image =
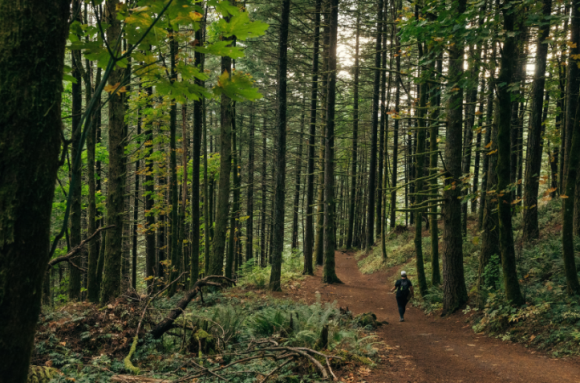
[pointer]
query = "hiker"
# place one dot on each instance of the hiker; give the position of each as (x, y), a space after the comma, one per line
(405, 292)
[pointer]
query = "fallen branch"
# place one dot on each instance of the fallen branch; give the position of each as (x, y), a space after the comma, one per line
(167, 323)
(127, 361)
(137, 379)
(71, 254)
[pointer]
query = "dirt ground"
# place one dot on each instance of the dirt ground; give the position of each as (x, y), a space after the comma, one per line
(430, 348)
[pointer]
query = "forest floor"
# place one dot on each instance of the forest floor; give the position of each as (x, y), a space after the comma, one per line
(430, 348)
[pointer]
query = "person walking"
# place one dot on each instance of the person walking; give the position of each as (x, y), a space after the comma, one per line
(405, 292)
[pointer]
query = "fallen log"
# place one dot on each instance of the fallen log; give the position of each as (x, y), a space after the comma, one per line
(167, 323)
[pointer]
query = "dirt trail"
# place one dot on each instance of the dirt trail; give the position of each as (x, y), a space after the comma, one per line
(428, 348)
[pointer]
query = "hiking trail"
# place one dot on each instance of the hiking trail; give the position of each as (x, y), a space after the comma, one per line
(430, 348)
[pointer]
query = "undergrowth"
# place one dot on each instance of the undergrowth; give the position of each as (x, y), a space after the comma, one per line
(550, 319)
(88, 344)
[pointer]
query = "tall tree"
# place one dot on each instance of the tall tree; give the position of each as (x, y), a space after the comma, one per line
(329, 273)
(111, 285)
(572, 284)
(32, 42)
(198, 115)
(149, 186)
(355, 117)
(250, 196)
(280, 150)
(455, 291)
(534, 158)
(74, 284)
(504, 197)
(298, 178)
(174, 245)
(370, 239)
(309, 232)
(223, 203)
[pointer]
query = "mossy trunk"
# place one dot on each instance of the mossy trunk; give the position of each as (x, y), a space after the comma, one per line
(111, 285)
(32, 42)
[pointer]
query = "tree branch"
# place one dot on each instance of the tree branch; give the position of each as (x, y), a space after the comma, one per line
(73, 252)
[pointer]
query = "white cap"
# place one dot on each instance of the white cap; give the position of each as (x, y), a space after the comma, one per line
(403, 272)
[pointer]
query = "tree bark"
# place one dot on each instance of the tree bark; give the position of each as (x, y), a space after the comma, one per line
(223, 203)
(309, 233)
(280, 150)
(74, 283)
(264, 199)
(198, 116)
(504, 197)
(370, 238)
(30, 138)
(250, 197)
(355, 117)
(531, 230)
(298, 178)
(573, 127)
(454, 289)
(329, 273)
(111, 285)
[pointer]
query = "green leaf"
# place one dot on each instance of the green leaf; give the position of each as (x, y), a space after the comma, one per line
(221, 48)
(241, 27)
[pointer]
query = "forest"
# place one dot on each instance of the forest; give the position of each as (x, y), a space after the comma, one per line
(224, 190)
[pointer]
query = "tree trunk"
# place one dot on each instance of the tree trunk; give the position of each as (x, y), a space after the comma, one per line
(454, 289)
(111, 285)
(233, 239)
(370, 238)
(74, 283)
(355, 116)
(149, 184)
(280, 150)
(298, 178)
(223, 203)
(309, 233)
(135, 212)
(93, 248)
(329, 274)
(490, 229)
(396, 126)
(198, 115)
(250, 201)
(504, 197)
(573, 127)
(420, 161)
(30, 124)
(264, 199)
(531, 230)
(435, 100)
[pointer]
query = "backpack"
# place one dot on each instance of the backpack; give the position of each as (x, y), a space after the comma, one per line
(404, 287)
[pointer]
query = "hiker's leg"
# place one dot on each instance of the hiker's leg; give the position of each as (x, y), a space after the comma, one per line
(401, 305)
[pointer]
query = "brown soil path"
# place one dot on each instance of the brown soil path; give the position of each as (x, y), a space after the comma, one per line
(428, 348)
